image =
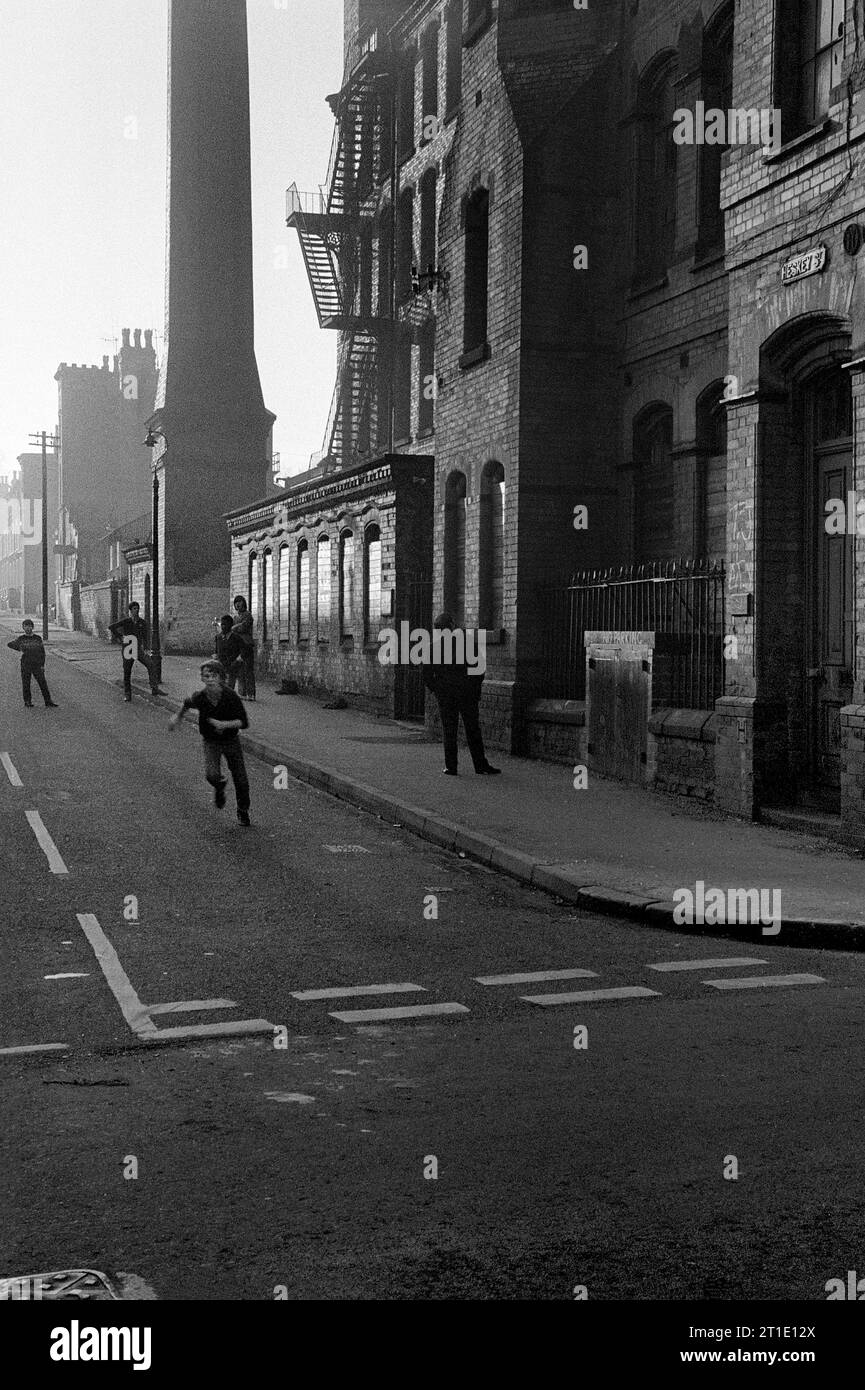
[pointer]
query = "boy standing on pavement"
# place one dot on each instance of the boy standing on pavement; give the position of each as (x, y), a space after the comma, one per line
(221, 716)
(133, 633)
(32, 651)
(229, 649)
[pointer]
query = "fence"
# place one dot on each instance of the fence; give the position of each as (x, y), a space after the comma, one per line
(681, 599)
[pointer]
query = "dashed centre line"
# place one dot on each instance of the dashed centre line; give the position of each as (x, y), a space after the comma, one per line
(46, 844)
(11, 771)
(535, 977)
(350, 991)
(765, 981)
(589, 996)
(706, 964)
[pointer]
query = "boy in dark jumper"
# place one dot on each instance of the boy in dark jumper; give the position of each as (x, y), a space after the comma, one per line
(221, 716)
(32, 651)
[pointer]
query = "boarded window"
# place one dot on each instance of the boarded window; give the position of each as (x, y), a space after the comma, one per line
(346, 584)
(476, 270)
(372, 586)
(284, 613)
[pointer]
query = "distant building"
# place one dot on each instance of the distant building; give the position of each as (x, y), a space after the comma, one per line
(21, 534)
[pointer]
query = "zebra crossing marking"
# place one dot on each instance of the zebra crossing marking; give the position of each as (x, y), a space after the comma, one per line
(348, 991)
(720, 962)
(765, 981)
(406, 1011)
(535, 977)
(589, 996)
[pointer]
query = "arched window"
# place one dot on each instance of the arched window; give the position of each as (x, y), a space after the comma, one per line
(303, 591)
(284, 611)
(372, 584)
(711, 502)
(429, 49)
(492, 555)
(404, 244)
(653, 443)
(453, 79)
(655, 209)
(426, 380)
(717, 94)
(809, 51)
(476, 270)
(322, 577)
(253, 586)
(455, 546)
(346, 584)
(267, 597)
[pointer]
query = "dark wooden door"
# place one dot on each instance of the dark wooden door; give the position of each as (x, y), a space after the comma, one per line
(830, 667)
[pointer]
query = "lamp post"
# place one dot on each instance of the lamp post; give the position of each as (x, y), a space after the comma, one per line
(155, 648)
(43, 438)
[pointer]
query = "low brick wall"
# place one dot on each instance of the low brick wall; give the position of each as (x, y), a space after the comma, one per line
(98, 606)
(681, 752)
(496, 713)
(324, 669)
(853, 775)
(186, 624)
(555, 730)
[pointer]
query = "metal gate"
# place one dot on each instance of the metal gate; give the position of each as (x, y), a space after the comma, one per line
(416, 609)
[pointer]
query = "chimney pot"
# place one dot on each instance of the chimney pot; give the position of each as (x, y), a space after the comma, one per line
(125, 332)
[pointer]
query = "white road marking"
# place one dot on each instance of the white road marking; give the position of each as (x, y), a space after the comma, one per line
(191, 1006)
(536, 977)
(346, 991)
(408, 1011)
(52, 853)
(240, 1028)
(10, 770)
(69, 975)
(119, 983)
(36, 1047)
(765, 981)
(706, 964)
(347, 849)
(588, 996)
(297, 1097)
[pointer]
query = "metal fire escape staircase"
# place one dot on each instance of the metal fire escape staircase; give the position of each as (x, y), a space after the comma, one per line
(329, 224)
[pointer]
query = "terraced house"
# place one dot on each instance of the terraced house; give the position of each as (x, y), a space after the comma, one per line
(599, 369)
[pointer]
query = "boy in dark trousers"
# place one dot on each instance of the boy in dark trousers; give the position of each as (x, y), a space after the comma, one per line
(221, 716)
(32, 652)
(133, 633)
(229, 649)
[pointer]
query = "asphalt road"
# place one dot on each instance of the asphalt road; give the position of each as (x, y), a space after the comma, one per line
(302, 1167)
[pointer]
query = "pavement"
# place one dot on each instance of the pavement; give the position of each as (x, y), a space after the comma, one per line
(606, 847)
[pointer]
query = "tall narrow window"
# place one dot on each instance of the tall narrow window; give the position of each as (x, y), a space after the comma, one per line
(303, 592)
(323, 588)
(476, 270)
(404, 244)
(267, 597)
(653, 443)
(385, 262)
(710, 538)
(428, 186)
(284, 613)
(453, 80)
(718, 95)
(372, 584)
(455, 546)
(426, 380)
(810, 48)
(655, 209)
(430, 82)
(253, 587)
(491, 560)
(346, 584)
(402, 391)
(405, 118)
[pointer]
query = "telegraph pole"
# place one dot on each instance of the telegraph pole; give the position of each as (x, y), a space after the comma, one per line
(43, 438)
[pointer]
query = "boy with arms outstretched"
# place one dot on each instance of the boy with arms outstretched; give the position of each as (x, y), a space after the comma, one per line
(221, 716)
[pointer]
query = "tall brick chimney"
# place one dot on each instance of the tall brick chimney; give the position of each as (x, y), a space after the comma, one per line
(209, 402)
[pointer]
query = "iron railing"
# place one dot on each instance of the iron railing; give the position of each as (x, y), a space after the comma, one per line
(681, 600)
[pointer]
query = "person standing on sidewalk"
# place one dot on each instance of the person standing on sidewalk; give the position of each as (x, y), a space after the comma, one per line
(32, 650)
(458, 693)
(221, 716)
(243, 627)
(133, 633)
(229, 649)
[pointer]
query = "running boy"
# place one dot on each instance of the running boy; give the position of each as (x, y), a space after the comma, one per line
(221, 716)
(32, 651)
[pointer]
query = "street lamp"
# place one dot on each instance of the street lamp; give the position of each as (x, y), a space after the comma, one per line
(155, 648)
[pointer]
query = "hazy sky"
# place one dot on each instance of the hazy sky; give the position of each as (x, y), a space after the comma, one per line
(82, 172)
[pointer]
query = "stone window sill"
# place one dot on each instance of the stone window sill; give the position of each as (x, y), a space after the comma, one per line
(806, 137)
(474, 356)
(401, 443)
(426, 434)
